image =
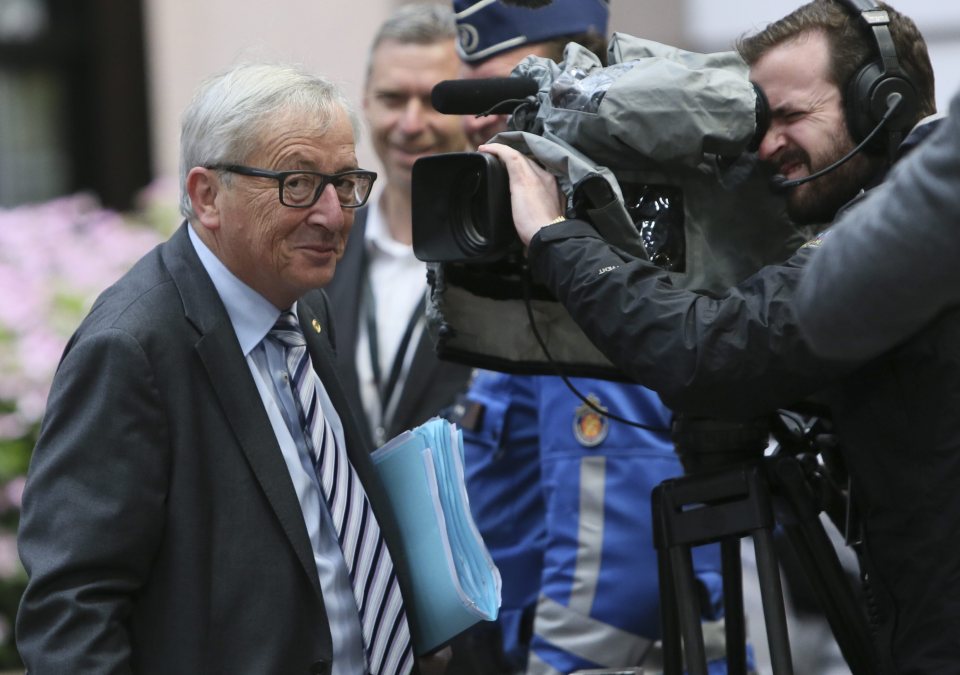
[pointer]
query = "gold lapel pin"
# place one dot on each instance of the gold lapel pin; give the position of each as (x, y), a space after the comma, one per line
(316, 325)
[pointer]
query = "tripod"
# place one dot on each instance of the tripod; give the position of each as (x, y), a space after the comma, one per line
(732, 491)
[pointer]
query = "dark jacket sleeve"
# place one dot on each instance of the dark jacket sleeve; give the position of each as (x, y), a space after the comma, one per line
(739, 354)
(890, 264)
(93, 508)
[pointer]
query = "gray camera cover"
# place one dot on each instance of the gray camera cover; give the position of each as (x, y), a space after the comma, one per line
(655, 115)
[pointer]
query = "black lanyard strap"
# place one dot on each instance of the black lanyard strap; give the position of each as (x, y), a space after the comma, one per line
(386, 389)
(400, 358)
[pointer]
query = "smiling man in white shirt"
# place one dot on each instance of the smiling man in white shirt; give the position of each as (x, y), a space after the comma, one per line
(385, 359)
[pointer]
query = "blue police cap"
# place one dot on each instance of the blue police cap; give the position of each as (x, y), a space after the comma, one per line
(487, 27)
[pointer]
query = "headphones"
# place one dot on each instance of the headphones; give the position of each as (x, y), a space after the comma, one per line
(868, 92)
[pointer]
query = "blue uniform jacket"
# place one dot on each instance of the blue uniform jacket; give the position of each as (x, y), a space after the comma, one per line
(562, 498)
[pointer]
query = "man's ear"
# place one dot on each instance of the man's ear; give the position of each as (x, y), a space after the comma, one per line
(203, 186)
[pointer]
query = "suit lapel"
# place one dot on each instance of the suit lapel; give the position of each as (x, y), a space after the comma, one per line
(230, 378)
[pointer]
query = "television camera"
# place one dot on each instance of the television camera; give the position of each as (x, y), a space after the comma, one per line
(653, 150)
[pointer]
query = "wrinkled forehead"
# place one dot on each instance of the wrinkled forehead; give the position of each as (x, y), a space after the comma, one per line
(306, 130)
(801, 63)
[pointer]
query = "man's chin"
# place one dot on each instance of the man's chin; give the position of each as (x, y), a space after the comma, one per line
(312, 269)
(318, 278)
(810, 204)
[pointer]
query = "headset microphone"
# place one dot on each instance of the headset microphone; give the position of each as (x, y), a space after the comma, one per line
(779, 183)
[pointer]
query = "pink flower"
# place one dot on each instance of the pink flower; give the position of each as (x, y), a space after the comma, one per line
(9, 560)
(13, 491)
(55, 258)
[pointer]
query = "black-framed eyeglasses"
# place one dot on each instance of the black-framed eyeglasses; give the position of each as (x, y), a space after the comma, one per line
(302, 189)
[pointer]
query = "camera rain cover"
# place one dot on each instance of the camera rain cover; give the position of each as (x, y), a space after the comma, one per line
(656, 116)
(663, 116)
(654, 104)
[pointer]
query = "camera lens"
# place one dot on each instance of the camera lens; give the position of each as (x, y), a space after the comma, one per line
(468, 219)
(461, 208)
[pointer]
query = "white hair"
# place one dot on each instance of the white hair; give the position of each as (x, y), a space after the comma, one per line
(230, 112)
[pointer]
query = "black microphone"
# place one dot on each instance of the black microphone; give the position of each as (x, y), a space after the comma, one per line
(780, 183)
(482, 96)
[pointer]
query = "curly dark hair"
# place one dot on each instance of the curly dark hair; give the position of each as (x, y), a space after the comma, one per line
(851, 45)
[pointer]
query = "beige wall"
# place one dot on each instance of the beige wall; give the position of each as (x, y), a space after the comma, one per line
(188, 40)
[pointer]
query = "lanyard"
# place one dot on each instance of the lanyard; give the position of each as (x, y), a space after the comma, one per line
(386, 389)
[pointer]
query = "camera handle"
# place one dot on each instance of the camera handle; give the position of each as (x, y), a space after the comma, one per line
(725, 505)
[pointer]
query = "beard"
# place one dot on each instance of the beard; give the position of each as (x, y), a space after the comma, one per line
(818, 201)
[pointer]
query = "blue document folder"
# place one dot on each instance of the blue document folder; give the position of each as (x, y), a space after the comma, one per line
(455, 581)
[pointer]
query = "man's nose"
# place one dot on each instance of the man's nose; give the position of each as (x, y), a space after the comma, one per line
(327, 210)
(413, 118)
(772, 142)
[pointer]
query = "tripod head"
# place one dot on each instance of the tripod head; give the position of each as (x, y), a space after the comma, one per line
(804, 444)
(707, 444)
(734, 488)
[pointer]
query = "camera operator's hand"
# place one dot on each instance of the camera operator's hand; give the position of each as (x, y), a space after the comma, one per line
(535, 196)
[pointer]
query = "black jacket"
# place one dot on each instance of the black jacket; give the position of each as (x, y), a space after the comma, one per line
(735, 355)
(740, 354)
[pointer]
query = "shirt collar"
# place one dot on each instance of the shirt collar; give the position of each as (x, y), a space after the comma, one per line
(251, 314)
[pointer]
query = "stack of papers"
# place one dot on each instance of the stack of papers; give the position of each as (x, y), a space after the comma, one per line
(455, 582)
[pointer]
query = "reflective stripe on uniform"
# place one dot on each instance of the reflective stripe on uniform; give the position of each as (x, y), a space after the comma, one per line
(537, 666)
(585, 637)
(589, 534)
(606, 645)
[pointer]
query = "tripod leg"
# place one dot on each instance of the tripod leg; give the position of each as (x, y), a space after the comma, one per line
(736, 633)
(669, 619)
(689, 602)
(818, 559)
(771, 595)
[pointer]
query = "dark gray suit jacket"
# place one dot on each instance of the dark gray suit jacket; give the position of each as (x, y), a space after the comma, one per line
(160, 527)
(431, 384)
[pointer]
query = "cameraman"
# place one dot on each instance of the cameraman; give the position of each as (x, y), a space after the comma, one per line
(740, 354)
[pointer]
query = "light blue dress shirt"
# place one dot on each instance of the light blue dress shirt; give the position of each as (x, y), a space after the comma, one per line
(252, 317)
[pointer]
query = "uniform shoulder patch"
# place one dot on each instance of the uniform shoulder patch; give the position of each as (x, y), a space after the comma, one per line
(590, 427)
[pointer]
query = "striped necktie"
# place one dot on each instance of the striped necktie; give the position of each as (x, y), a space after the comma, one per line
(386, 636)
